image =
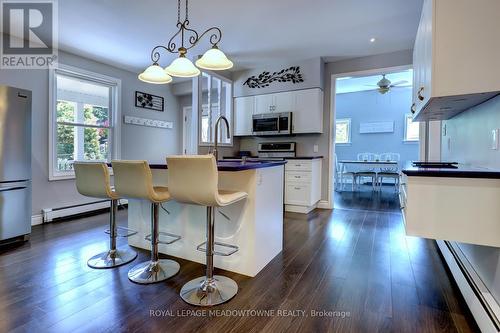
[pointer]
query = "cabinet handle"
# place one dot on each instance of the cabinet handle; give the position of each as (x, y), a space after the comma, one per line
(420, 96)
(298, 165)
(413, 108)
(297, 188)
(297, 177)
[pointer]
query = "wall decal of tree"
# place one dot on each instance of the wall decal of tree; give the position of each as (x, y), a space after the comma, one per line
(291, 74)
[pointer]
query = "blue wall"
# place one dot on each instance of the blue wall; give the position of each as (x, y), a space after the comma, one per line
(371, 106)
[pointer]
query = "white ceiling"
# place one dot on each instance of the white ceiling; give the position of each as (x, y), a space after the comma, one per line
(364, 83)
(255, 33)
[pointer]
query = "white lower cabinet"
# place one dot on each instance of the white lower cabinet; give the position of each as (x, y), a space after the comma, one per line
(302, 185)
(453, 209)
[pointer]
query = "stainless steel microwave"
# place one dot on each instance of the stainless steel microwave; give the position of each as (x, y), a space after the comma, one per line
(272, 123)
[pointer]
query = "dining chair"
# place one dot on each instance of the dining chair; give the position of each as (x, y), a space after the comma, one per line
(340, 173)
(391, 172)
(368, 172)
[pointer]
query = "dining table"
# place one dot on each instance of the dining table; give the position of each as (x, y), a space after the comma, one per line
(373, 164)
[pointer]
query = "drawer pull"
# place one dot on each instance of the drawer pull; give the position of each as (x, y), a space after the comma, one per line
(297, 188)
(420, 96)
(298, 177)
(298, 165)
(413, 108)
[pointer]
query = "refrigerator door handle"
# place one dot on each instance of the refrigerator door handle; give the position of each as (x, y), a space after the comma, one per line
(6, 189)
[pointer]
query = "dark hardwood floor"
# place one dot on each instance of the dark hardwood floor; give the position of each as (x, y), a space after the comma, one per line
(347, 270)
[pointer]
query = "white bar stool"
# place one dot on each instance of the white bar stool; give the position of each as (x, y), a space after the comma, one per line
(194, 180)
(133, 179)
(92, 180)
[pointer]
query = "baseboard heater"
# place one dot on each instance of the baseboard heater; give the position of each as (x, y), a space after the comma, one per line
(51, 214)
(483, 306)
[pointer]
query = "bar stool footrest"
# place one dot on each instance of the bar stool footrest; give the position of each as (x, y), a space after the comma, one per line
(123, 232)
(172, 238)
(220, 249)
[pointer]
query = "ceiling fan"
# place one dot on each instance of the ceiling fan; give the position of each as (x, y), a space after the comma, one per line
(385, 85)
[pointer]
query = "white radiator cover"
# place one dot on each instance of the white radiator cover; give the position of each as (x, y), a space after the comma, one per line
(49, 214)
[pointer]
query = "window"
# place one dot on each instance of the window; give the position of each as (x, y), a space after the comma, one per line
(216, 100)
(343, 131)
(412, 129)
(84, 107)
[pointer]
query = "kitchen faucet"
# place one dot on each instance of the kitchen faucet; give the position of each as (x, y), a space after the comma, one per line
(217, 134)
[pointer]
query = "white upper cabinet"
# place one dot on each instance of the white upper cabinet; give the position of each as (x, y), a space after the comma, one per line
(306, 107)
(279, 102)
(244, 108)
(308, 114)
(456, 57)
(284, 102)
(264, 103)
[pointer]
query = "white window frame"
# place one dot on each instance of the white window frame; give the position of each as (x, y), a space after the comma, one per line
(349, 130)
(115, 114)
(211, 122)
(405, 137)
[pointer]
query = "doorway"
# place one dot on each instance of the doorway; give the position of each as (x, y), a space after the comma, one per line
(371, 120)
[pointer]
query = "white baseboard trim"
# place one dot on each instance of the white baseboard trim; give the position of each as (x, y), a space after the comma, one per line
(470, 291)
(49, 214)
(299, 209)
(36, 219)
(324, 204)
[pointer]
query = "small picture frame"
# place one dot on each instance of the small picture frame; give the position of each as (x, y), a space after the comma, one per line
(148, 101)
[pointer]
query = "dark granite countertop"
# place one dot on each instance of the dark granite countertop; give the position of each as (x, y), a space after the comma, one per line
(303, 157)
(461, 171)
(234, 165)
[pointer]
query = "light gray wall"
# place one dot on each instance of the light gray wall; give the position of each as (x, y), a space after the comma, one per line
(137, 142)
(470, 134)
(371, 106)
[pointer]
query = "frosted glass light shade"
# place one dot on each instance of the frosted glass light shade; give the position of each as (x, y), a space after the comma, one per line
(156, 75)
(215, 60)
(182, 67)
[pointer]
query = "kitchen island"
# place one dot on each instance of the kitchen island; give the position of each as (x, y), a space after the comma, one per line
(253, 225)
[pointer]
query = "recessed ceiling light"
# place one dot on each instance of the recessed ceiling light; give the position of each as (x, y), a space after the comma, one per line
(372, 40)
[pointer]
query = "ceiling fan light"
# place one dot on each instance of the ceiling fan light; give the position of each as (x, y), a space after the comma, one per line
(214, 60)
(383, 90)
(182, 67)
(155, 74)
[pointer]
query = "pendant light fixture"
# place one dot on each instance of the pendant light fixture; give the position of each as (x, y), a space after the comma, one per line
(155, 74)
(214, 59)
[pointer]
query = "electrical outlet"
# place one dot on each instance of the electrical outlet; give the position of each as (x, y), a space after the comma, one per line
(316, 148)
(494, 139)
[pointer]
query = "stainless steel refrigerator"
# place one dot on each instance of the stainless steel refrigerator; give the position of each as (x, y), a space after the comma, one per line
(15, 163)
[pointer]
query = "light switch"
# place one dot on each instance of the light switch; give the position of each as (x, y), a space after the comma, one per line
(494, 139)
(316, 148)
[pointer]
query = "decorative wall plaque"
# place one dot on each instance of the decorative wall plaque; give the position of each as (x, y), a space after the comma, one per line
(148, 101)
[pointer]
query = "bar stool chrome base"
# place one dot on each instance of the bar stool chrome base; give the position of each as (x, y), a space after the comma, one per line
(209, 292)
(152, 272)
(112, 258)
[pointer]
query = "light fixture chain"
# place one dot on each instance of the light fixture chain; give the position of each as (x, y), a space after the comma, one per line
(187, 11)
(178, 11)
